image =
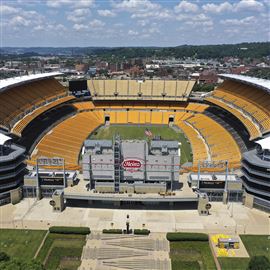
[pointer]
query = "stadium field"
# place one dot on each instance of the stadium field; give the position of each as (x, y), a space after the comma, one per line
(256, 245)
(20, 244)
(129, 132)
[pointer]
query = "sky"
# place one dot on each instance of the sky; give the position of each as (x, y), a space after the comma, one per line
(110, 23)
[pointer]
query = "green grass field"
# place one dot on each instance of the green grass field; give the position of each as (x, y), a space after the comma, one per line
(138, 132)
(256, 245)
(20, 244)
(191, 255)
(62, 251)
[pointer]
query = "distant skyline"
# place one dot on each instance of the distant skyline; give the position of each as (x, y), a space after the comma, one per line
(110, 23)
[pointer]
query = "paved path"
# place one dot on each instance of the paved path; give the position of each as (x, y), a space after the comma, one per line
(121, 252)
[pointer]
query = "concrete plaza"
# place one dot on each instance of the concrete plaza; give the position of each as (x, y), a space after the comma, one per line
(231, 219)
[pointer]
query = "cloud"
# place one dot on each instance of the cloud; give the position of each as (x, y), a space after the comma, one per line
(96, 24)
(135, 5)
(72, 3)
(249, 5)
(158, 15)
(185, 6)
(80, 27)
(133, 33)
(6, 10)
(78, 15)
(106, 13)
(19, 21)
(217, 8)
(143, 22)
(238, 22)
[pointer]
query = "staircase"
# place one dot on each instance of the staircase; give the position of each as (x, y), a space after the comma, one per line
(123, 252)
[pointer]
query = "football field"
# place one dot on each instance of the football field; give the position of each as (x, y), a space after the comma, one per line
(129, 132)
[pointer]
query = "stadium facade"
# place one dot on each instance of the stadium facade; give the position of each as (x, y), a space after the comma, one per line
(131, 166)
(12, 170)
(256, 175)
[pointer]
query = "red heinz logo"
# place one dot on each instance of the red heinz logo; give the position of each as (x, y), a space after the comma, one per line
(131, 164)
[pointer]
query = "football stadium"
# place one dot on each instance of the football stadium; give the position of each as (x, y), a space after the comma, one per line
(135, 142)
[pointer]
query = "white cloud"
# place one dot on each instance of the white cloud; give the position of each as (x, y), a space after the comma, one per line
(238, 22)
(6, 10)
(185, 6)
(243, 5)
(96, 24)
(78, 15)
(80, 27)
(135, 5)
(158, 15)
(106, 13)
(198, 18)
(19, 21)
(83, 3)
(153, 30)
(133, 33)
(72, 3)
(218, 8)
(143, 22)
(249, 5)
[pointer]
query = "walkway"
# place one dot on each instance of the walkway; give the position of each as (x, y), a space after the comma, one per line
(135, 252)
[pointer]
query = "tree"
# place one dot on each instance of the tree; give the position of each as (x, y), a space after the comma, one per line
(259, 263)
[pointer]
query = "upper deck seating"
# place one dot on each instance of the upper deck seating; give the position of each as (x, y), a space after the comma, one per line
(252, 128)
(20, 100)
(249, 101)
(140, 90)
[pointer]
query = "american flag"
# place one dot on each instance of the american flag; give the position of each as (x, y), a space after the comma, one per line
(148, 132)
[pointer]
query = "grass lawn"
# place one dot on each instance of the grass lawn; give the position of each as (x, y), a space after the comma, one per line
(189, 255)
(137, 132)
(21, 244)
(62, 250)
(256, 245)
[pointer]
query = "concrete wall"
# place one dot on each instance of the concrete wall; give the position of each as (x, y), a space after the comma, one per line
(16, 195)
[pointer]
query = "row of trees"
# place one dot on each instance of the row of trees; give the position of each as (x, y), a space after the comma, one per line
(244, 50)
(263, 73)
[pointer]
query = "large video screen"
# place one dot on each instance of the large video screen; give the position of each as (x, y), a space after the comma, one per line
(79, 85)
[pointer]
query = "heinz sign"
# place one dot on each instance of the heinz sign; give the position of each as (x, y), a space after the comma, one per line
(131, 164)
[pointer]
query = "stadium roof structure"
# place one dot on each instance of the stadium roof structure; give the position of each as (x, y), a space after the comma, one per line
(257, 82)
(4, 139)
(16, 81)
(264, 143)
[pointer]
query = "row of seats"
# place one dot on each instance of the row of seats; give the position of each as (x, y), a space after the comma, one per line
(253, 130)
(197, 107)
(66, 139)
(248, 92)
(163, 89)
(199, 148)
(84, 106)
(221, 144)
(22, 99)
(21, 125)
(247, 100)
